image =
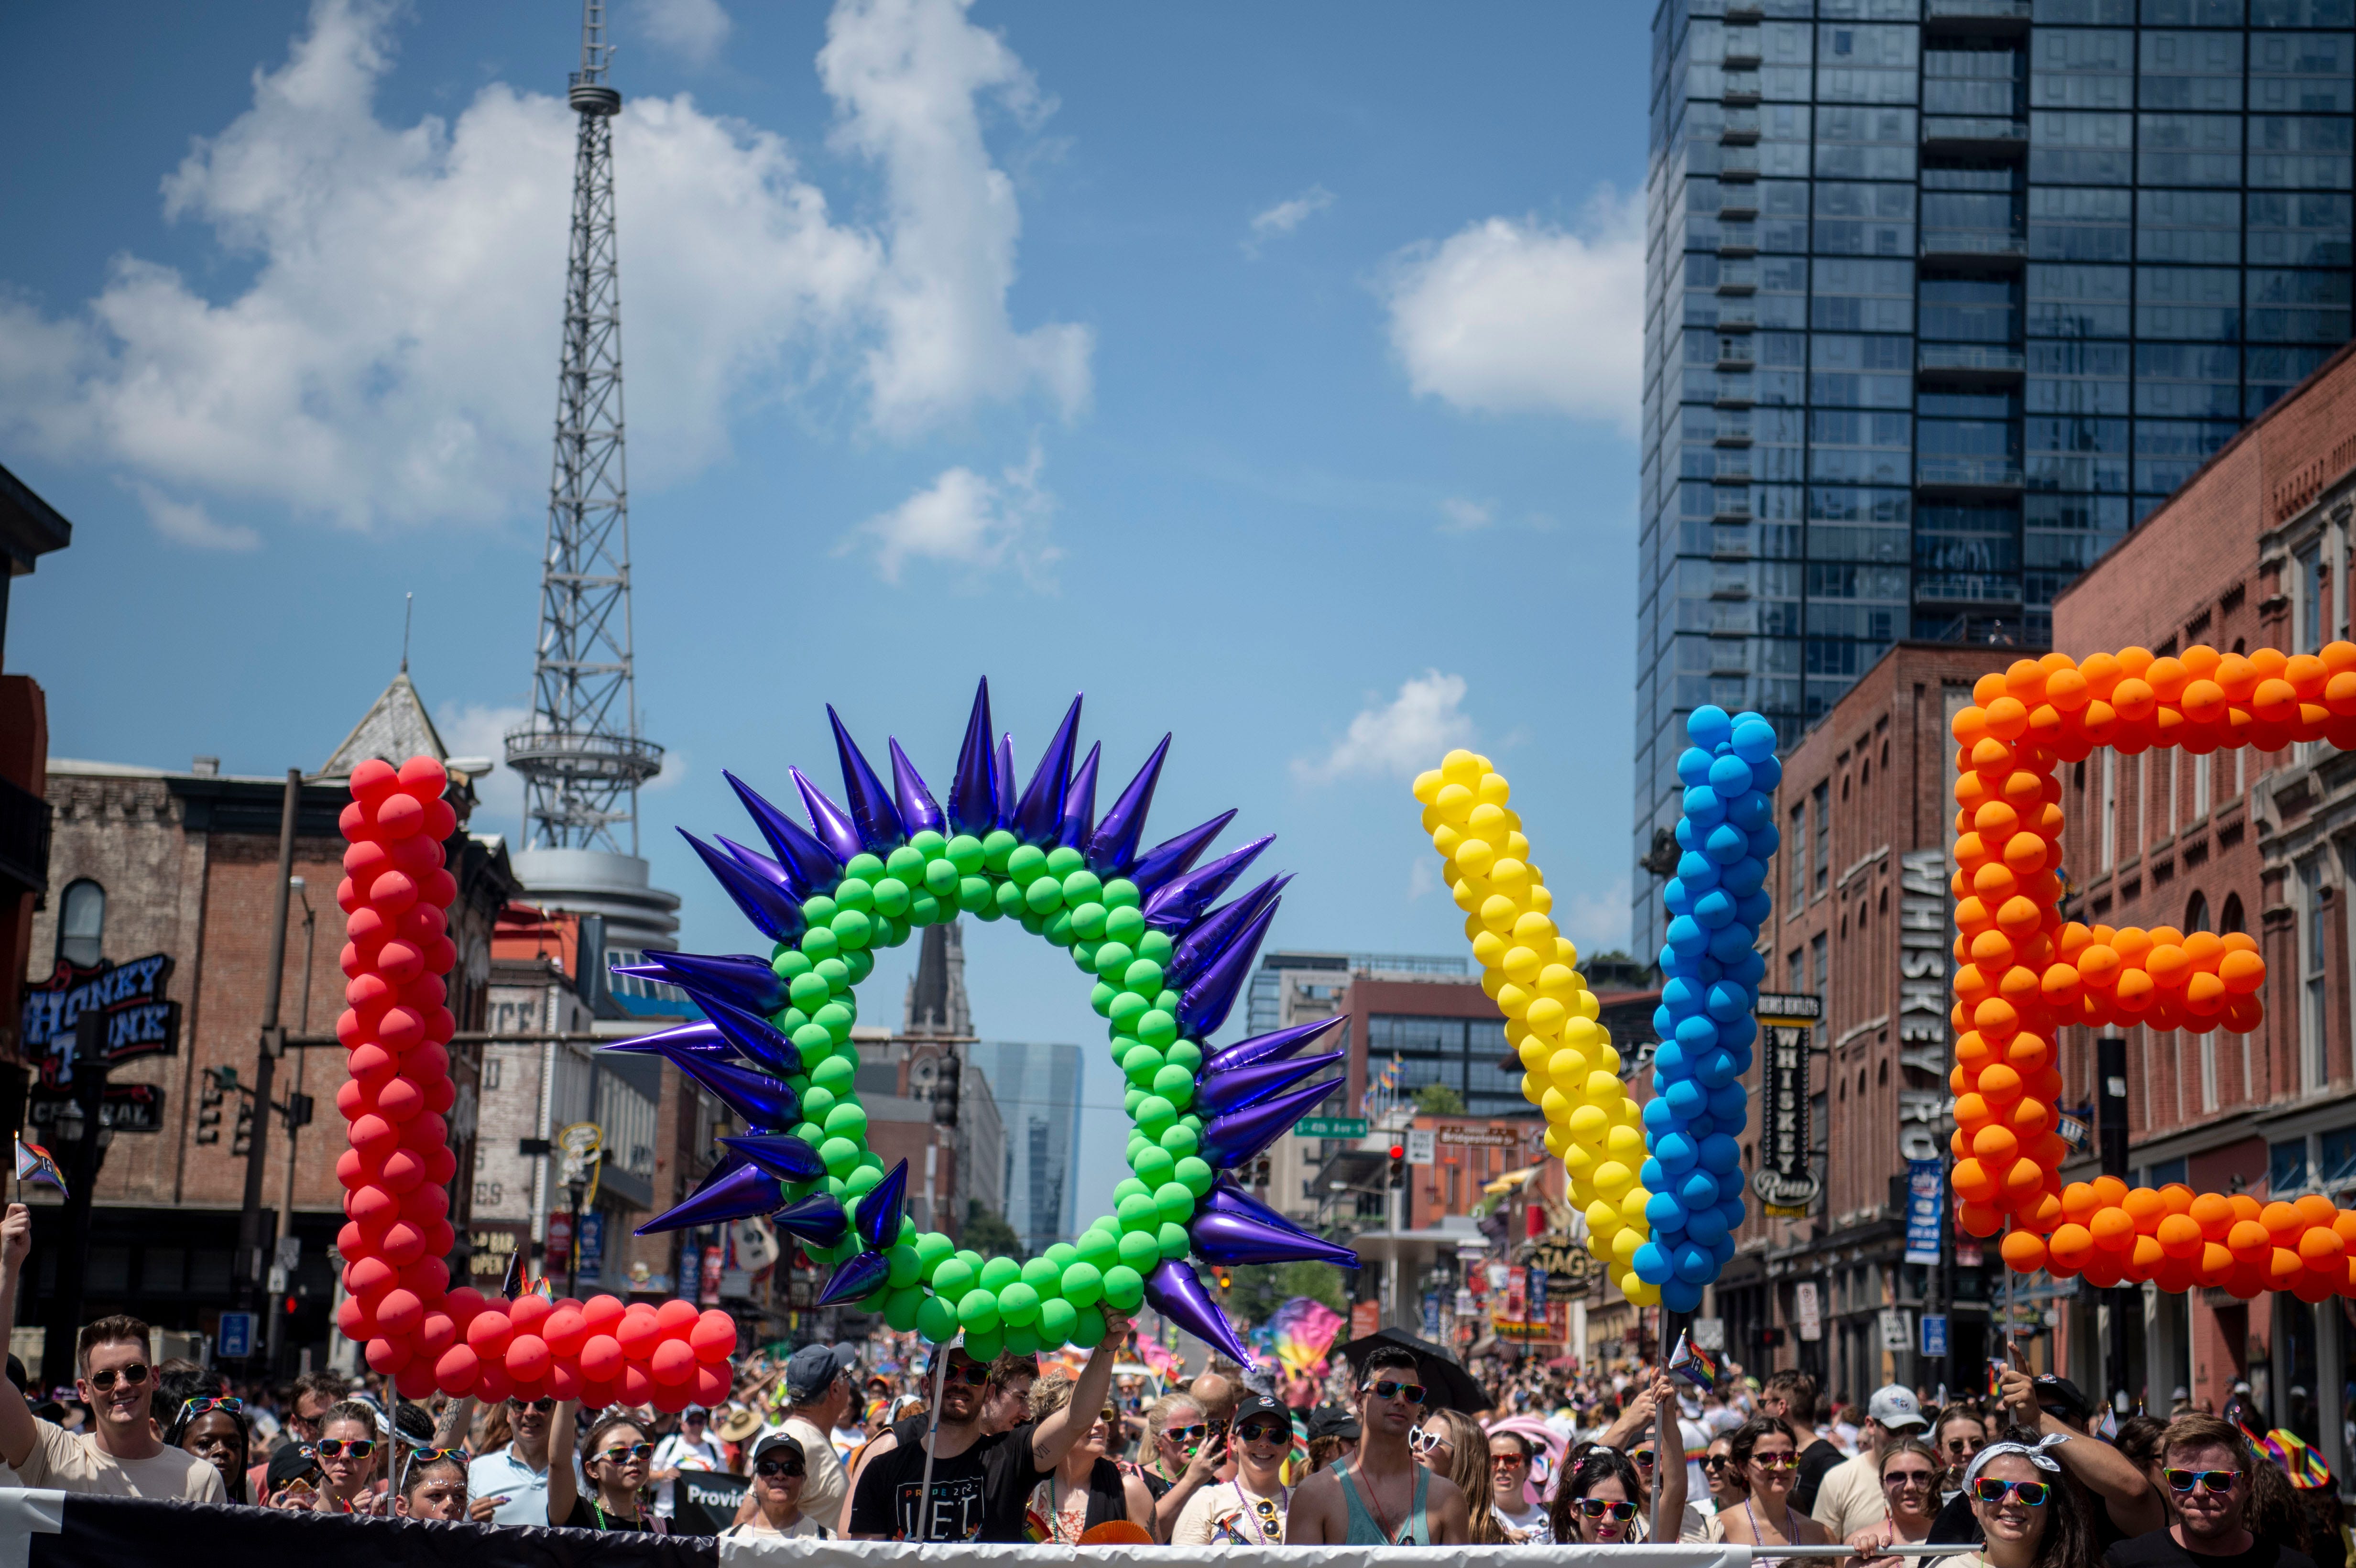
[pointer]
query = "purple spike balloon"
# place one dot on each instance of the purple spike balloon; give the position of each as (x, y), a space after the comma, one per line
(1241, 1087)
(1041, 809)
(766, 870)
(871, 810)
(1168, 860)
(829, 822)
(1079, 819)
(1180, 903)
(741, 1194)
(810, 865)
(1176, 1292)
(769, 1104)
(773, 914)
(973, 793)
(1210, 995)
(1226, 1240)
(1001, 784)
(701, 1038)
(1227, 1141)
(745, 980)
(782, 1155)
(1112, 847)
(879, 1212)
(1213, 933)
(919, 813)
(751, 1035)
(1273, 1046)
(817, 1219)
(1227, 1197)
(857, 1278)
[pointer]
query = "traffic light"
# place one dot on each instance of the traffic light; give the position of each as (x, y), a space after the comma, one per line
(299, 1111)
(208, 1111)
(1261, 1170)
(1226, 1280)
(241, 1144)
(1399, 1167)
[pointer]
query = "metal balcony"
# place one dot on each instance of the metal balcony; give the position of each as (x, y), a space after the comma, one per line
(1973, 133)
(1736, 353)
(1741, 129)
(1738, 165)
(1970, 361)
(1739, 89)
(1973, 244)
(1976, 473)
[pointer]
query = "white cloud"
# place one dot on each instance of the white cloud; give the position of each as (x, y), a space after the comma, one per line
(1422, 877)
(479, 729)
(1463, 516)
(1410, 734)
(1286, 216)
(964, 519)
(692, 29)
(188, 522)
(1598, 923)
(1504, 316)
(392, 359)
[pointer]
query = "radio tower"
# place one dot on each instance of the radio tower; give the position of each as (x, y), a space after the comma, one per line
(581, 755)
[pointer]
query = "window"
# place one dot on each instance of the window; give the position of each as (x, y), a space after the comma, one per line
(2168, 1171)
(2175, 784)
(2312, 1018)
(2196, 914)
(1793, 976)
(2339, 1165)
(2110, 830)
(2229, 919)
(2200, 786)
(2286, 1167)
(1823, 846)
(2311, 599)
(1796, 843)
(81, 923)
(1820, 958)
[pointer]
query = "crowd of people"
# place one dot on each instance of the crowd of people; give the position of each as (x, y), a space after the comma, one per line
(881, 1443)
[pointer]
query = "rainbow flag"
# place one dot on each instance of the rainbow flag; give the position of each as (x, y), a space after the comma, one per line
(2302, 1464)
(35, 1163)
(1302, 1330)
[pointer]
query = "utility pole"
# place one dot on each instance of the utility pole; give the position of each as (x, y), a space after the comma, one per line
(298, 1116)
(273, 1042)
(2111, 1118)
(85, 1152)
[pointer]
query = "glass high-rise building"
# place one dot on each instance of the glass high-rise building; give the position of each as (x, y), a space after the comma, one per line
(1942, 297)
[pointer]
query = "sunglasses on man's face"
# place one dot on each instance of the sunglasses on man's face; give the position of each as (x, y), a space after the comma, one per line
(541, 1405)
(1596, 1508)
(344, 1447)
(772, 1469)
(1391, 1388)
(2208, 1480)
(131, 1376)
(1990, 1490)
(971, 1375)
(1643, 1457)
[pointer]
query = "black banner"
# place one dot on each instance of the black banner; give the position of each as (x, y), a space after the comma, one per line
(704, 1502)
(80, 1531)
(1786, 1184)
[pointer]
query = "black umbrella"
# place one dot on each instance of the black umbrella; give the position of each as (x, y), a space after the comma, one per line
(1451, 1387)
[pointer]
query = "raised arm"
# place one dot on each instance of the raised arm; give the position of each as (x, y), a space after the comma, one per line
(2127, 1493)
(1058, 1434)
(17, 1432)
(561, 1492)
(1668, 1458)
(1631, 1425)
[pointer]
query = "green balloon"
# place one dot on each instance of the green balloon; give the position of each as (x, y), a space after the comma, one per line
(1124, 1287)
(926, 910)
(1021, 1339)
(1084, 956)
(1176, 1200)
(1121, 893)
(1009, 898)
(854, 894)
(1168, 1001)
(907, 1237)
(1059, 928)
(1095, 1248)
(1041, 1274)
(1058, 1254)
(1140, 1249)
(1017, 1303)
(1176, 1084)
(864, 866)
(840, 1156)
(975, 894)
(1114, 958)
(1141, 1064)
(1157, 1028)
(906, 1268)
(1063, 860)
(907, 861)
(788, 962)
(818, 909)
(900, 1307)
(999, 1272)
(1126, 1009)
(933, 1249)
(1144, 976)
(978, 1311)
(1137, 1209)
(837, 1017)
(1103, 997)
(849, 1120)
(857, 966)
(809, 1132)
(1037, 924)
(860, 1182)
(1175, 1242)
(1125, 924)
(972, 1260)
(1088, 1327)
(808, 991)
(1130, 1100)
(1186, 1054)
(1027, 864)
(842, 973)
(1153, 1165)
(819, 942)
(1044, 897)
(819, 1104)
(1083, 1282)
(965, 852)
(1057, 1319)
(836, 1074)
(1181, 1141)
(985, 1347)
(1088, 919)
(937, 1320)
(998, 849)
(1081, 887)
(1155, 1115)
(891, 896)
(1197, 1175)
(1124, 1188)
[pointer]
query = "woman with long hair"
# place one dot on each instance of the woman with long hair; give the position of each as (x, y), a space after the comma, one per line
(1513, 1470)
(1086, 1489)
(2030, 1518)
(1909, 1470)
(617, 1459)
(1451, 1444)
(350, 1449)
(1724, 1475)
(1767, 1454)
(1601, 1501)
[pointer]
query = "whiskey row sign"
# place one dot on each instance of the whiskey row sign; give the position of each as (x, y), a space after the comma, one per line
(1786, 1182)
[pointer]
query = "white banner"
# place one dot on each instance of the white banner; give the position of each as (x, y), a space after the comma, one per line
(908, 1554)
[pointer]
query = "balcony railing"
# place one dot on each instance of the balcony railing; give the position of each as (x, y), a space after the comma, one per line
(1741, 128)
(1994, 10)
(1740, 87)
(1987, 357)
(1735, 354)
(1972, 242)
(1969, 472)
(1973, 128)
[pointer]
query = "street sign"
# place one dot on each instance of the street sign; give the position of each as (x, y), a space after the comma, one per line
(1331, 1126)
(235, 1341)
(1935, 1334)
(1709, 1333)
(1778, 1007)
(1483, 1137)
(290, 1251)
(1893, 1329)
(1422, 1145)
(1812, 1320)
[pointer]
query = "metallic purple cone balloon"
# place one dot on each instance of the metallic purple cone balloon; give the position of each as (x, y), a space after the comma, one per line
(782, 1155)
(831, 824)
(973, 793)
(765, 871)
(1040, 810)
(1226, 1240)
(1176, 1292)
(1271, 1047)
(1227, 1141)
(1249, 1084)
(1078, 822)
(1180, 903)
(879, 1212)
(745, 980)
(809, 865)
(1207, 997)
(773, 914)
(1002, 781)
(919, 813)
(1112, 849)
(751, 1035)
(766, 1103)
(871, 810)
(741, 1194)
(1229, 1198)
(1168, 860)
(701, 1038)
(856, 1277)
(1211, 934)
(817, 1219)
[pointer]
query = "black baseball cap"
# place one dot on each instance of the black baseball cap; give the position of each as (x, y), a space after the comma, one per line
(2059, 1396)
(777, 1442)
(1253, 1404)
(291, 1463)
(814, 1369)
(1333, 1421)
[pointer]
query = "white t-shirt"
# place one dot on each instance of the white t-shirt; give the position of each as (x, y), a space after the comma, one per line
(680, 1452)
(1228, 1514)
(757, 1526)
(1849, 1498)
(73, 1462)
(1530, 1527)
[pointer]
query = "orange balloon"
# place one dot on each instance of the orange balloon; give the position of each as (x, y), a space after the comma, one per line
(2113, 1229)
(2071, 1246)
(2248, 1242)
(2179, 1236)
(2024, 1252)
(1973, 1181)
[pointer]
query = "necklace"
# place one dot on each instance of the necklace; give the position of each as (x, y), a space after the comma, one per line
(1374, 1507)
(1752, 1516)
(1266, 1514)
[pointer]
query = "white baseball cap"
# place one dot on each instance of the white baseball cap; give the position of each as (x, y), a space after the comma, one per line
(1895, 1407)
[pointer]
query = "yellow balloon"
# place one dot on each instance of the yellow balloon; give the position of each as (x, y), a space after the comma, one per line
(1632, 1203)
(1512, 1000)
(1468, 897)
(1474, 856)
(1581, 1031)
(1455, 804)
(1623, 1244)
(1545, 1014)
(1462, 767)
(1602, 1085)
(1428, 784)
(1498, 912)
(1625, 1141)
(1493, 788)
(1643, 1294)
(1539, 897)
(1521, 963)
(1556, 1107)
(1536, 1051)
(1602, 1218)
(1509, 876)
(1489, 949)
(1576, 1160)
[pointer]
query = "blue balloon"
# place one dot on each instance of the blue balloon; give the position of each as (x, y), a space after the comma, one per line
(1723, 1250)
(1728, 1002)
(1753, 738)
(1651, 1264)
(1671, 962)
(1699, 1191)
(1730, 777)
(1752, 812)
(1666, 1211)
(1686, 1099)
(1742, 1055)
(1698, 1031)
(1728, 944)
(1675, 1153)
(1732, 1210)
(1731, 1036)
(1767, 773)
(1707, 969)
(1715, 1069)
(1688, 837)
(1688, 936)
(1728, 1105)
(1749, 972)
(1721, 1153)
(1700, 871)
(1763, 839)
(1742, 879)
(1705, 1225)
(1725, 844)
(1664, 1021)
(1670, 1063)
(1651, 1174)
(1696, 1265)
(1679, 896)
(1658, 1117)
(1700, 1127)
(1710, 726)
(1683, 995)
(1704, 805)
(1716, 908)
(1692, 766)
(1751, 912)
(1681, 1296)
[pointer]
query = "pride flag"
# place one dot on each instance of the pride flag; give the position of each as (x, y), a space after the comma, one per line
(35, 1163)
(1303, 1331)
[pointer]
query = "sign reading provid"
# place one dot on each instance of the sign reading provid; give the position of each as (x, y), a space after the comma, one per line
(1485, 1138)
(1787, 1185)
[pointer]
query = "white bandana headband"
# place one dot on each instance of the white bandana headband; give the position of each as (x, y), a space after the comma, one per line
(2035, 1453)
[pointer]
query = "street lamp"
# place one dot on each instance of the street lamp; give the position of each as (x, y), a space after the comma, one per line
(294, 1128)
(575, 1188)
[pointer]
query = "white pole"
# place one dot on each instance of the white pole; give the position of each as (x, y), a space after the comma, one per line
(940, 1380)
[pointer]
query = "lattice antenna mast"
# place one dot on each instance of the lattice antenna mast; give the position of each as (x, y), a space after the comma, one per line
(581, 756)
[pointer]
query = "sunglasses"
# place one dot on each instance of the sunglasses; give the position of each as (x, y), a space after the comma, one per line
(1596, 1508)
(131, 1376)
(1264, 1432)
(2032, 1494)
(775, 1467)
(425, 1456)
(1425, 1441)
(541, 1405)
(191, 1409)
(1775, 1461)
(1718, 1462)
(1965, 1444)
(1643, 1457)
(971, 1376)
(1194, 1433)
(344, 1448)
(1109, 1415)
(1507, 1461)
(616, 1455)
(1390, 1388)
(2209, 1480)
(1909, 1477)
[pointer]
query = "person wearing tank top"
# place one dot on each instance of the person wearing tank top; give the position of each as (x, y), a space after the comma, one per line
(1381, 1497)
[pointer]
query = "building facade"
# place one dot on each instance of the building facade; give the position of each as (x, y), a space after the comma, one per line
(1943, 296)
(1036, 1091)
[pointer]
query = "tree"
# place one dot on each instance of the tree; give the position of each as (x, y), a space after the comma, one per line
(987, 1233)
(1439, 1100)
(1260, 1288)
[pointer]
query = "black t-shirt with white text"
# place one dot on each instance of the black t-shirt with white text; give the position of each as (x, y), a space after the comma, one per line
(2160, 1549)
(979, 1495)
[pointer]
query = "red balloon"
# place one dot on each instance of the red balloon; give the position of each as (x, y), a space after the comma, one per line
(441, 888)
(373, 1136)
(373, 780)
(366, 928)
(713, 1337)
(713, 1385)
(463, 1304)
(369, 1275)
(601, 1358)
(369, 995)
(400, 1313)
(353, 1320)
(440, 1237)
(347, 897)
(602, 1314)
(356, 1242)
(415, 1380)
(596, 1396)
(565, 1331)
(423, 1204)
(387, 1355)
(490, 1331)
(365, 860)
(672, 1397)
(370, 1206)
(673, 1318)
(436, 1334)
(429, 1276)
(403, 1243)
(403, 1169)
(638, 1388)
(372, 1065)
(401, 1027)
(352, 1171)
(440, 1095)
(426, 1132)
(399, 815)
(420, 923)
(441, 1165)
(415, 857)
(354, 1100)
(393, 890)
(423, 777)
(529, 1312)
(528, 1358)
(455, 1372)
(350, 1031)
(493, 1384)
(564, 1381)
(399, 962)
(428, 1063)
(352, 822)
(640, 1332)
(672, 1363)
(441, 820)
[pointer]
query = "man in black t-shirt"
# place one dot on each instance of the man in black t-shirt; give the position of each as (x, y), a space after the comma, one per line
(981, 1484)
(2207, 1465)
(1792, 1395)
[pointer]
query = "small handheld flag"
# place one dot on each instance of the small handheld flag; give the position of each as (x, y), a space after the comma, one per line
(35, 1163)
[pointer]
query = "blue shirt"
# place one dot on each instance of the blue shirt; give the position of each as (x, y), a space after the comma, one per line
(503, 1473)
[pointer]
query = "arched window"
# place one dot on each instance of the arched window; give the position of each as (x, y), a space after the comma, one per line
(81, 923)
(2229, 919)
(2196, 914)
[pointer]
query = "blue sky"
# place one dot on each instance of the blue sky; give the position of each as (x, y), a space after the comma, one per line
(1271, 373)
